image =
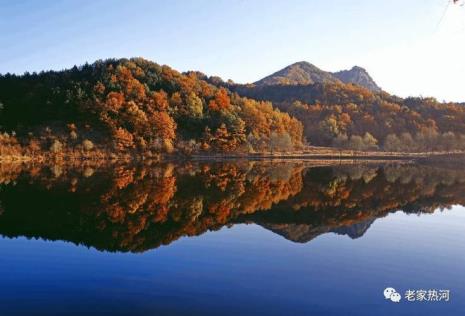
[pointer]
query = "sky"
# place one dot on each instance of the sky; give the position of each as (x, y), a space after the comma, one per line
(410, 48)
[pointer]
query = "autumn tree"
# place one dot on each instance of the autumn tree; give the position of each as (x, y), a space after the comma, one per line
(280, 142)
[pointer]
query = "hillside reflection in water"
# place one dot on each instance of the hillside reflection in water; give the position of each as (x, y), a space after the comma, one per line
(136, 208)
(284, 237)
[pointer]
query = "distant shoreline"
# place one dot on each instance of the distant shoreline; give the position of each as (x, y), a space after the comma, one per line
(313, 154)
(328, 153)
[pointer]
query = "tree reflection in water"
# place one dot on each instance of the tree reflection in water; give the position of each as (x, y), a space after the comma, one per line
(140, 207)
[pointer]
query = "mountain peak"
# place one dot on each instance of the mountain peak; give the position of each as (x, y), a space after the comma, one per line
(299, 73)
(357, 68)
(304, 64)
(303, 73)
(357, 75)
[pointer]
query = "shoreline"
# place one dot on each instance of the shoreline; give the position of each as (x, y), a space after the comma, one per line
(315, 155)
(331, 155)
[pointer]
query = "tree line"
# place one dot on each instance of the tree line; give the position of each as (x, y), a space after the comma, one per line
(137, 105)
(134, 105)
(351, 116)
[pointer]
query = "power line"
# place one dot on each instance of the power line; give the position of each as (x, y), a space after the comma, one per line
(444, 13)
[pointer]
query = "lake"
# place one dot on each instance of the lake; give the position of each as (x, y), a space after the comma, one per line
(232, 238)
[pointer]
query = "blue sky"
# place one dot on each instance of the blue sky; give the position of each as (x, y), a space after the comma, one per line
(401, 43)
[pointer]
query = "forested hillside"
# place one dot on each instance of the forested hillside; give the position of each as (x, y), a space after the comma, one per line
(136, 105)
(351, 116)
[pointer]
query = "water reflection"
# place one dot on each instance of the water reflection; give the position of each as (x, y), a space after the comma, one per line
(140, 207)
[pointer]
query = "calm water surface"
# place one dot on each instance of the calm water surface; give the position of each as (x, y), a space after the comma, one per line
(242, 238)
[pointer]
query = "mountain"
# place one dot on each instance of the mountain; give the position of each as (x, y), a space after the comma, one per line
(129, 105)
(359, 76)
(355, 230)
(296, 232)
(301, 73)
(305, 232)
(305, 73)
(133, 106)
(346, 109)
